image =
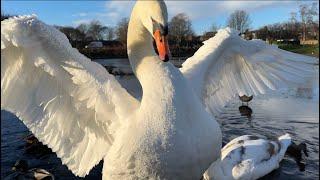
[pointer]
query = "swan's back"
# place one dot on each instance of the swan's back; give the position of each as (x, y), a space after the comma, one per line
(249, 157)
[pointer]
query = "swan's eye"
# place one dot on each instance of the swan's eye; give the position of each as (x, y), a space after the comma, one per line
(165, 30)
(158, 26)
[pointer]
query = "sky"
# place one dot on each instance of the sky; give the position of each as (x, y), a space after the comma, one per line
(202, 13)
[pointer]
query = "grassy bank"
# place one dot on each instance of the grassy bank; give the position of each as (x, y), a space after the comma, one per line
(310, 50)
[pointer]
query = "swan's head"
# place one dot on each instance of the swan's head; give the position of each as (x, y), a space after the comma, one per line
(154, 17)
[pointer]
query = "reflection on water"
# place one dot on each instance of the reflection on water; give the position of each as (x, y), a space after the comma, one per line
(297, 152)
(245, 111)
(267, 115)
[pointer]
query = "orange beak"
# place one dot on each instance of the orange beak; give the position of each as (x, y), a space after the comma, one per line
(162, 46)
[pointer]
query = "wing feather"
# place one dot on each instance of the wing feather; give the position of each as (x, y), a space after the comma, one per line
(227, 66)
(70, 103)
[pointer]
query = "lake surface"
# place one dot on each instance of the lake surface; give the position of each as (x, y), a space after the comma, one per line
(124, 62)
(122, 65)
(272, 115)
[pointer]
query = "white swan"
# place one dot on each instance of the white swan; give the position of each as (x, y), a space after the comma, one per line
(84, 115)
(248, 157)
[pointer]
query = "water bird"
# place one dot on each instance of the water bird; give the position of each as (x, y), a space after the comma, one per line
(30, 139)
(250, 157)
(245, 98)
(34, 146)
(22, 172)
(79, 110)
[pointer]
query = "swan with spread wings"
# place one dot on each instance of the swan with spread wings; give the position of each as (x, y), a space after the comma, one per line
(82, 113)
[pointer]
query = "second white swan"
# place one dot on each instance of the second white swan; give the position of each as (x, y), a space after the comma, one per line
(84, 115)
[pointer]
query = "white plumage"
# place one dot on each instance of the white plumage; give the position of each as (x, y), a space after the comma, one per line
(248, 157)
(69, 102)
(227, 66)
(82, 113)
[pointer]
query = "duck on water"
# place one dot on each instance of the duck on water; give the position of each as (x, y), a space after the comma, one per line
(245, 98)
(21, 171)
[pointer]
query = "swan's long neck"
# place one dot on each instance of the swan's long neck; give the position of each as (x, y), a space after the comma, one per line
(143, 59)
(139, 42)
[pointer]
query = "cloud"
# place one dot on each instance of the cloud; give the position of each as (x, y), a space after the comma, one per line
(82, 14)
(215, 11)
(202, 9)
(81, 21)
(110, 15)
(204, 13)
(115, 10)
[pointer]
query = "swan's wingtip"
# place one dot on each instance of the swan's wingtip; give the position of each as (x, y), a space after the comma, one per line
(231, 31)
(30, 16)
(20, 18)
(222, 34)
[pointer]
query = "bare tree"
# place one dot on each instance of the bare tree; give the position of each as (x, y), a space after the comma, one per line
(313, 12)
(263, 33)
(293, 24)
(293, 17)
(309, 14)
(83, 28)
(303, 9)
(214, 27)
(110, 34)
(122, 30)
(72, 33)
(239, 20)
(180, 27)
(96, 30)
(313, 19)
(5, 16)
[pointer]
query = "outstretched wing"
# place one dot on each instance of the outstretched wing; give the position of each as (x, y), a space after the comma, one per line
(71, 104)
(227, 66)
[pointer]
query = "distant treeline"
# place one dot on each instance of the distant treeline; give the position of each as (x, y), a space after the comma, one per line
(302, 25)
(182, 39)
(5, 16)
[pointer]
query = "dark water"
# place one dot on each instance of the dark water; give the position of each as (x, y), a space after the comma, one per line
(271, 116)
(124, 62)
(122, 65)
